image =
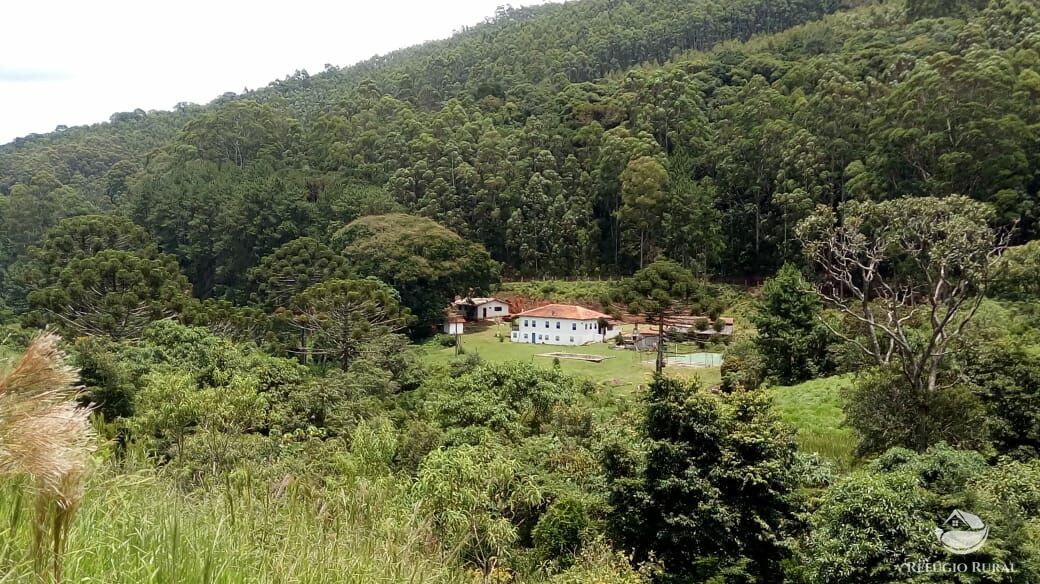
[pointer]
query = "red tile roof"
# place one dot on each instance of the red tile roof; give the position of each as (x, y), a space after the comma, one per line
(568, 311)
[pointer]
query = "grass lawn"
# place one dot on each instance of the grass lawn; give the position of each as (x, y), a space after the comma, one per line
(814, 407)
(622, 372)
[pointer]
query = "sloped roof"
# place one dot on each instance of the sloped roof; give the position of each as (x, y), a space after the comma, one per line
(567, 311)
(477, 301)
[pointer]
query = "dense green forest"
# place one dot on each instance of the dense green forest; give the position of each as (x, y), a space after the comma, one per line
(709, 158)
(245, 294)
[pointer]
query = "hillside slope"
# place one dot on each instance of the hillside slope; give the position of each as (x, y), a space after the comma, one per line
(580, 40)
(529, 135)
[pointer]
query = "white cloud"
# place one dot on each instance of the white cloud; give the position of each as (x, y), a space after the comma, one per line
(72, 62)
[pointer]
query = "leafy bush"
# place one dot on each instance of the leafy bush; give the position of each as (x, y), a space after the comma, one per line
(513, 400)
(465, 364)
(473, 494)
(886, 412)
(743, 367)
(418, 438)
(876, 519)
(444, 340)
(561, 531)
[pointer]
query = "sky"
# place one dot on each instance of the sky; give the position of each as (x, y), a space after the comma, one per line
(74, 62)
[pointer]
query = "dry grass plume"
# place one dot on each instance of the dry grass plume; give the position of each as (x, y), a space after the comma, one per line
(48, 439)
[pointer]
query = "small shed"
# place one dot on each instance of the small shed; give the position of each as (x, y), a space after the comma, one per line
(453, 324)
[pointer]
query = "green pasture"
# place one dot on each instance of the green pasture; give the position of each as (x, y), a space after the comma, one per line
(814, 407)
(621, 371)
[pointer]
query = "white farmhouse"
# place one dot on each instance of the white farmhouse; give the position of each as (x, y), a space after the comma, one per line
(562, 324)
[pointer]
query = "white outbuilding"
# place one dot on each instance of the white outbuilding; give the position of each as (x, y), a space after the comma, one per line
(475, 309)
(453, 325)
(563, 324)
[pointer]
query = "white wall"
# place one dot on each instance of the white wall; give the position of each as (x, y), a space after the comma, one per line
(494, 309)
(560, 331)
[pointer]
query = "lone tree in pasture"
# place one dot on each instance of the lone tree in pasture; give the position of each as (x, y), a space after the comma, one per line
(790, 336)
(909, 273)
(662, 289)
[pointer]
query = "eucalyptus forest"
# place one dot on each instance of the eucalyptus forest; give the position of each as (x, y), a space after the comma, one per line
(221, 346)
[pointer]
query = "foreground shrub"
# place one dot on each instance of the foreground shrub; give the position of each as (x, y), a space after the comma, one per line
(715, 496)
(561, 531)
(882, 517)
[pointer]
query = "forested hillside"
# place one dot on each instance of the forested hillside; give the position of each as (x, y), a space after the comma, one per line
(511, 135)
(512, 123)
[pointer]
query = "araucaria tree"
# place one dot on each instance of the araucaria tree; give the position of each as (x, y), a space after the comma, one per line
(662, 289)
(113, 293)
(909, 273)
(292, 268)
(339, 318)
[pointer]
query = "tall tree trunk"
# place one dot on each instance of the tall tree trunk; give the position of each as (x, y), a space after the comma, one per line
(642, 248)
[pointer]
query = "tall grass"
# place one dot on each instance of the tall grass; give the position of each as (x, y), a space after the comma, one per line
(139, 527)
(45, 444)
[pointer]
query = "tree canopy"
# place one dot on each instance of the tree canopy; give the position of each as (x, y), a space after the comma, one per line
(707, 503)
(113, 293)
(427, 264)
(572, 158)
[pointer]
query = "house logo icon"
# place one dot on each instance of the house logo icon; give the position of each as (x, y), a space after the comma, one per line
(962, 533)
